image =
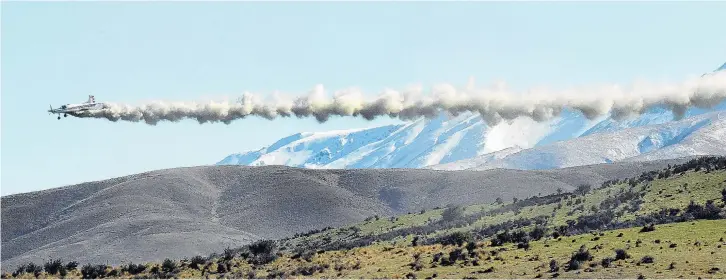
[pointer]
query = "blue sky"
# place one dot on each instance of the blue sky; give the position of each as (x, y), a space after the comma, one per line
(57, 53)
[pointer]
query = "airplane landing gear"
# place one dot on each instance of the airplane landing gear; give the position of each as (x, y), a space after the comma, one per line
(64, 115)
(59, 117)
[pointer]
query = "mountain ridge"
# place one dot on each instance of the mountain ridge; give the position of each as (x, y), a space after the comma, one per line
(440, 140)
(698, 135)
(437, 141)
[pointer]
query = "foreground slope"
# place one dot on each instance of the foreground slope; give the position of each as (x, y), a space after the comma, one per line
(663, 224)
(147, 216)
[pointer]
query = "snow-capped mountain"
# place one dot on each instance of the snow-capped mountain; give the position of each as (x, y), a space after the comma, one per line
(703, 134)
(442, 140)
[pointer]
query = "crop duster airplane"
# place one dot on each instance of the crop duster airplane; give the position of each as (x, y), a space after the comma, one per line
(73, 109)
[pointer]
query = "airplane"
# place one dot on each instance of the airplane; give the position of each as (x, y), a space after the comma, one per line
(72, 109)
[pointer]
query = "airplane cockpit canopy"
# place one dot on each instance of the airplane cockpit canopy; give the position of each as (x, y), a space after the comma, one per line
(63, 106)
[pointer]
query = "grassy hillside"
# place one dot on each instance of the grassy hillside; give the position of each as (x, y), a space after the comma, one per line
(663, 224)
(209, 208)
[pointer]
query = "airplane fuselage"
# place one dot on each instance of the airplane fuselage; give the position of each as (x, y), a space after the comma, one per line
(72, 108)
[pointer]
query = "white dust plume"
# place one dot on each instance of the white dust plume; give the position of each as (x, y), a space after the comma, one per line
(494, 104)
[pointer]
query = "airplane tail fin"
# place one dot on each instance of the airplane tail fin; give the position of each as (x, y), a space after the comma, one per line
(91, 99)
(51, 109)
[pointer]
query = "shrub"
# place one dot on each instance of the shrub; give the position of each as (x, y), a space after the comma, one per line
(647, 259)
(582, 189)
(262, 247)
(134, 269)
(554, 267)
(222, 267)
(90, 271)
(19, 270)
(582, 255)
(264, 251)
(452, 213)
(470, 247)
(228, 254)
(606, 261)
(507, 237)
(456, 238)
(196, 261)
(168, 265)
(621, 254)
(648, 228)
(456, 255)
(71, 265)
(262, 259)
(416, 265)
(30, 268)
(53, 266)
(437, 257)
(710, 211)
(537, 233)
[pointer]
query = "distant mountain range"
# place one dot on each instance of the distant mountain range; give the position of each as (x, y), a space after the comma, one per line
(466, 141)
(703, 134)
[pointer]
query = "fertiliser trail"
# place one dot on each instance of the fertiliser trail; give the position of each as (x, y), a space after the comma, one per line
(494, 104)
